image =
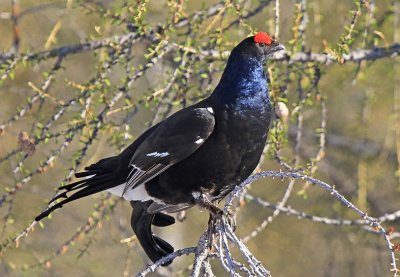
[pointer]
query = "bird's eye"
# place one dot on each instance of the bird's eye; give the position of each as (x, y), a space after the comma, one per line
(261, 44)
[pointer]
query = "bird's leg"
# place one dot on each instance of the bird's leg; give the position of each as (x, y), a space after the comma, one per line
(231, 219)
(202, 200)
(216, 213)
(211, 231)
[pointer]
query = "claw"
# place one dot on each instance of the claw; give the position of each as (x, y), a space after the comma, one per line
(203, 201)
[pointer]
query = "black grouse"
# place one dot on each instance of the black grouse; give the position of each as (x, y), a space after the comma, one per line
(194, 157)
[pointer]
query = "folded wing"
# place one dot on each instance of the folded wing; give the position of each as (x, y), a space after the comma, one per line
(174, 140)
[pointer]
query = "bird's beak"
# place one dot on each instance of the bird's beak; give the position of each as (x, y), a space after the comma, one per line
(275, 47)
(279, 47)
(276, 50)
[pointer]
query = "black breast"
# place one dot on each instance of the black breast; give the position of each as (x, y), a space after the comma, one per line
(227, 157)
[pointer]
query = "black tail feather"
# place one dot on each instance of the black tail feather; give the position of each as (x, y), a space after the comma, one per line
(72, 185)
(96, 185)
(91, 188)
(101, 166)
(58, 196)
(102, 178)
(141, 221)
(48, 211)
(163, 220)
(86, 173)
(82, 183)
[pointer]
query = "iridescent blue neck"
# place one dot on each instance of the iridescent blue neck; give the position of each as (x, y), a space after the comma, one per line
(243, 82)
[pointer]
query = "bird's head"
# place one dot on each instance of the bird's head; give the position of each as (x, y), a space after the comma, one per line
(260, 47)
(244, 73)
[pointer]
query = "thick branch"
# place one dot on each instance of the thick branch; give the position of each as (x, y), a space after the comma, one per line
(299, 57)
(326, 58)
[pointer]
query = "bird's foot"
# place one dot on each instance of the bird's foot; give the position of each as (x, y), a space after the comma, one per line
(216, 215)
(203, 201)
(220, 218)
